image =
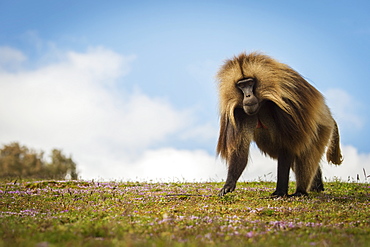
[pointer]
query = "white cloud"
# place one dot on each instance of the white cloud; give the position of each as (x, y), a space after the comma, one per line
(170, 164)
(10, 58)
(176, 165)
(62, 101)
(74, 104)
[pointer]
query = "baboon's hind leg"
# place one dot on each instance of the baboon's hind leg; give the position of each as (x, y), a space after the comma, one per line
(305, 170)
(317, 183)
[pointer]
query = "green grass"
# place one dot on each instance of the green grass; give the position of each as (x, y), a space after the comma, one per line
(57, 213)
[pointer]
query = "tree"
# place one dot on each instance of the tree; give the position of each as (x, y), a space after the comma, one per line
(20, 161)
(61, 166)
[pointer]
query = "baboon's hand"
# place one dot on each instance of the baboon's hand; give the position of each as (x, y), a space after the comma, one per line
(226, 189)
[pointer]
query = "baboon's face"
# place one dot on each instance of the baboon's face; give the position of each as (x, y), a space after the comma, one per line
(251, 104)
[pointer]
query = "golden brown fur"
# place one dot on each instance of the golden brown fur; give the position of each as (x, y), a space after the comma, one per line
(293, 114)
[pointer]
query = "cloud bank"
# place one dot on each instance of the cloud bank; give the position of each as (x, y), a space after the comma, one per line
(77, 103)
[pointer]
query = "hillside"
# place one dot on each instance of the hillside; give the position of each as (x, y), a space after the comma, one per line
(81, 213)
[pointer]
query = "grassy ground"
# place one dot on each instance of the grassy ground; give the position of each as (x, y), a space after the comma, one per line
(57, 213)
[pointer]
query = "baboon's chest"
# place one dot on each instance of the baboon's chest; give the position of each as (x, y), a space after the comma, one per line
(266, 141)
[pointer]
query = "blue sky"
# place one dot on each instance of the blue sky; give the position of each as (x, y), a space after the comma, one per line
(124, 86)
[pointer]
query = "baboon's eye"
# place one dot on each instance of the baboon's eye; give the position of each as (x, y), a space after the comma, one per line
(240, 85)
(246, 82)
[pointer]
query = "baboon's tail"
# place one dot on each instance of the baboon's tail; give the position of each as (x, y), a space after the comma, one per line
(333, 154)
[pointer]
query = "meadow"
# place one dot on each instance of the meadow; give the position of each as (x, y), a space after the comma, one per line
(91, 213)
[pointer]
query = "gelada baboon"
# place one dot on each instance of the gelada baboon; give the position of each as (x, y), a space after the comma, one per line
(265, 101)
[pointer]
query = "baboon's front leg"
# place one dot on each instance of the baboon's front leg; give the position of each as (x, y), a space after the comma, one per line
(237, 165)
